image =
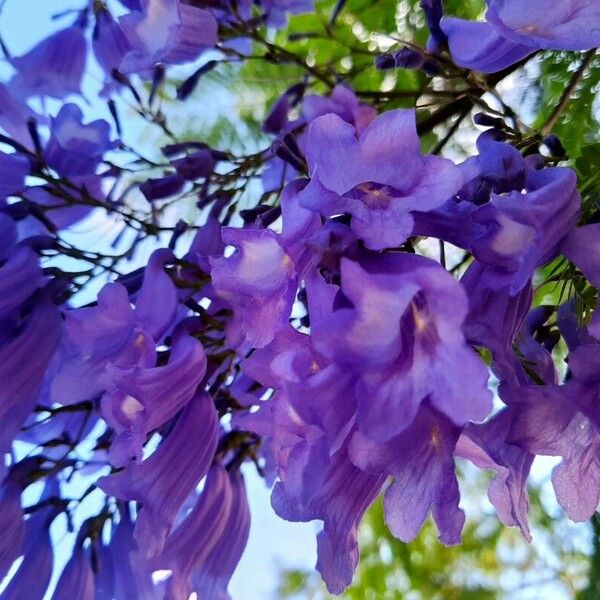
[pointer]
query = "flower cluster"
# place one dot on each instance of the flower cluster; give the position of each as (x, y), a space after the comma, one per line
(315, 335)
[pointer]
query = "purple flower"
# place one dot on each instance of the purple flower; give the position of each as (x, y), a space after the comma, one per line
(478, 46)
(582, 246)
(313, 420)
(328, 245)
(141, 399)
(571, 328)
(163, 187)
(290, 357)
(100, 335)
(516, 28)
(207, 243)
(549, 423)
(299, 226)
(569, 25)
(434, 11)
(195, 165)
(109, 42)
(114, 333)
(534, 345)
(304, 420)
(523, 231)
(402, 336)
(379, 176)
(583, 361)
(61, 212)
(277, 118)
(166, 31)
(55, 432)
(368, 331)
(340, 502)
(342, 101)
(486, 447)
(501, 323)
(506, 213)
(52, 68)
(258, 281)
(132, 4)
(163, 481)
(104, 572)
(277, 10)
(204, 550)
(8, 235)
(498, 168)
(421, 462)
(74, 148)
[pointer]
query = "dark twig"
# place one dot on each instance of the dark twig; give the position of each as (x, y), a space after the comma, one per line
(568, 93)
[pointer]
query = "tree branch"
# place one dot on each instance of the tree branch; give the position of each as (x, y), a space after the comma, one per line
(568, 93)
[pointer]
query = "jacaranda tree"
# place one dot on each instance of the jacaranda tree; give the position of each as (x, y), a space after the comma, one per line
(352, 292)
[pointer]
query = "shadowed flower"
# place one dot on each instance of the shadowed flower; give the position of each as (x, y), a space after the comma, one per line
(512, 213)
(109, 42)
(13, 170)
(495, 317)
(12, 523)
(33, 575)
(526, 227)
(23, 364)
(20, 277)
(14, 116)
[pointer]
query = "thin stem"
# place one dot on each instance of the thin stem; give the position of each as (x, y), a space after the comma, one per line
(442, 253)
(463, 104)
(440, 145)
(568, 93)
